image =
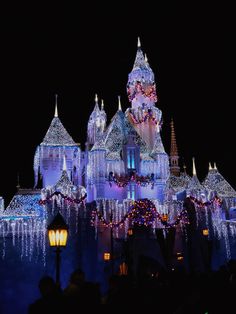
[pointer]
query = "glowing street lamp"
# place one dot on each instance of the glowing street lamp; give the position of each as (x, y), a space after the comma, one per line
(205, 232)
(58, 234)
(106, 256)
(130, 232)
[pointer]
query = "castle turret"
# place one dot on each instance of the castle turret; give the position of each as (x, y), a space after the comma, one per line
(103, 116)
(97, 123)
(48, 160)
(143, 114)
(215, 182)
(194, 187)
(174, 157)
(141, 86)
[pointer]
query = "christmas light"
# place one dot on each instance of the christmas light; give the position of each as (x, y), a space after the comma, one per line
(65, 197)
(57, 135)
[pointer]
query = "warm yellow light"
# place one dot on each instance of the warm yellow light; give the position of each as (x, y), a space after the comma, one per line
(130, 232)
(106, 256)
(180, 258)
(58, 237)
(123, 269)
(205, 232)
(164, 217)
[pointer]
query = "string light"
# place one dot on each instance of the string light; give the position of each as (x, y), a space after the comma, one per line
(65, 197)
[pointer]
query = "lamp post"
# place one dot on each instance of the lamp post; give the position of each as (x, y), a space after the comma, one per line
(58, 234)
(112, 244)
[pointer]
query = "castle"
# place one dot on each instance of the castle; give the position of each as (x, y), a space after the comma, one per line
(123, 180)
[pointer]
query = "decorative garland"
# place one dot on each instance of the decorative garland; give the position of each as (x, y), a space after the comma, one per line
(181, 217)
(147, 91)
(122, 181)
(104, 222)
(216, 200)
(142, 212)
(66, 198)
(148, 115)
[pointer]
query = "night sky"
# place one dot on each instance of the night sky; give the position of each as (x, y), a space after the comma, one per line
(77, 52)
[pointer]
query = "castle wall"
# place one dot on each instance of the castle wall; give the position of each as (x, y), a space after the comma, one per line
(51, 163)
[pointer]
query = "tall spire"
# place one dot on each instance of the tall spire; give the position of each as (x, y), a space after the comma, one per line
(194, 167)
(174, 157)
(210, 167)
(215, 168)
(141, 87)
(119, 104)
(173, 145)
(96, 123)
(96, 107)
(64, 168)
(18, 181)
(56, 111)
(57, 134)
(139, 43)
(145, 57)
(184, 167)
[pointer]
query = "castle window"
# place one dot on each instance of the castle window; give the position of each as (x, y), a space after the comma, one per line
(131, 191)
(131, 158)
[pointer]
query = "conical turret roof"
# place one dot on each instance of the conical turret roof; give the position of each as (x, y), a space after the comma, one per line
(194, 184)
(57, 135)
(141, 70)
(158, 145)
(24, 205)
(115, 133)
(214, 181)
(64, 183)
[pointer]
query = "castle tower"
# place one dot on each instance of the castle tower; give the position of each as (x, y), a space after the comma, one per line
(96, 124)
(194, 187)
(103, 117)
(48, 159)
(145, 117)
(141, 90)
(174, 157)
(141, 86)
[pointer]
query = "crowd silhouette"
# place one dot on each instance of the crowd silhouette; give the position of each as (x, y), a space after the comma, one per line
(174, 291)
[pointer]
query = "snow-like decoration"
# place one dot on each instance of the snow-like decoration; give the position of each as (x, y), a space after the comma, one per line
(64, 184)
(146, 123)
(131, 131)
(146, 157)
(99, 144)
(57, 135)
(116, 133)
(158, 146)
(141, 88)
(23, 206)
(1, 204)
(179, 184)
(141, 69)
(28, 235)
(36, 159)
(142, 114)
(113, 156)
(214, 181)
(96, 123)
(194, 187)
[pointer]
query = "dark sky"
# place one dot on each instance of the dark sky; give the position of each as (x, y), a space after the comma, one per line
(77, 52)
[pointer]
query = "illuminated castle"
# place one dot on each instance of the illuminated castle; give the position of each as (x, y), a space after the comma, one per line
(124, 179)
